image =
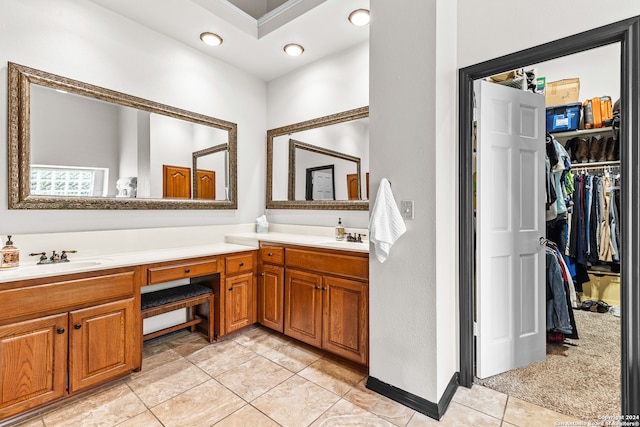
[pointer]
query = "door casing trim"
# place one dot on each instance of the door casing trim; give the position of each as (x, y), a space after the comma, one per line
(627, 32)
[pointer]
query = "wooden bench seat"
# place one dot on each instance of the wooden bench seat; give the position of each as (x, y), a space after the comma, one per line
(186, 296)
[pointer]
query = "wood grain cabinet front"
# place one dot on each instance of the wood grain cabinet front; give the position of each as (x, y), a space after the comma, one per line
(271, 297)
(236, 303)
(317, 296)
(91, 339)
(100, 340)
(33, 363)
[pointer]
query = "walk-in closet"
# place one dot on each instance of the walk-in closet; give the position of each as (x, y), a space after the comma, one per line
(578, 373)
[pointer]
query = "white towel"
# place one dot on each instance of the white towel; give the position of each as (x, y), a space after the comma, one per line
(386, 224)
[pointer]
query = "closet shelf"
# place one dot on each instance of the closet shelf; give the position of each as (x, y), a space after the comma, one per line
(595, 164)
(580, 132)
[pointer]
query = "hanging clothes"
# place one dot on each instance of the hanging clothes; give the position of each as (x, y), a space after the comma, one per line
(559, 313)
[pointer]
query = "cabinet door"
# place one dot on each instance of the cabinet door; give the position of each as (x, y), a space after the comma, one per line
(33, 363)
(271, 297)
(303, 307)
(346, 318)
(239, 302)
(101, 343)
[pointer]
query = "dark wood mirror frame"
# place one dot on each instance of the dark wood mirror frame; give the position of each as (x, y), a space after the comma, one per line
(20, 80)
(344, 116)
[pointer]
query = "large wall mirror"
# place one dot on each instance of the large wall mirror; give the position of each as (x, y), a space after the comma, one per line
(320, 164)
(73, 145)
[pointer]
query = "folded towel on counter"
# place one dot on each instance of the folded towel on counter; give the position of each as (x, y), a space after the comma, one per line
(386, 224)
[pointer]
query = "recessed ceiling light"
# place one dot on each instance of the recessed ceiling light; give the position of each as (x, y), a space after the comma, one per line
(293, 49)
(359, 17)
(211, 39)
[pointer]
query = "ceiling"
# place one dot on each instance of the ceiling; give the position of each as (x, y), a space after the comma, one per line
(253, 45)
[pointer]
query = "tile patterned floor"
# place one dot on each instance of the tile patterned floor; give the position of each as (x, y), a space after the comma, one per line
(261, 379)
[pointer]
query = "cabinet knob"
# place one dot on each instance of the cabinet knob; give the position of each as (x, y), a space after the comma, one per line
(77, 326)
(60, 331)
(187, 270)
(262, 274)
(317, 287)
(324, 289)
(270, 254)
(230, 289)
(242, 264)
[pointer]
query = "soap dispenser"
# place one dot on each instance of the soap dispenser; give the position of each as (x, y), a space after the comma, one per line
(10, 255)
(339, 230)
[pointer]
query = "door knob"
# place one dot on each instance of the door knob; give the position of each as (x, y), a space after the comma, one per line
(542, 241)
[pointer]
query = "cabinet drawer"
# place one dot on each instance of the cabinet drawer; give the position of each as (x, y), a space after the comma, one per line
(239, 264)
(327, 262)
(182, 271)
(60, 296)
(272, 254)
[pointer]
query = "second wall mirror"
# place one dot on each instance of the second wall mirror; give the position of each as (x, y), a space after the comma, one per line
(321, 163)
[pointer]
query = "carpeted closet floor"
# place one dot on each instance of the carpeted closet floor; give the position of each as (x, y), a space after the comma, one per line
(580, 377)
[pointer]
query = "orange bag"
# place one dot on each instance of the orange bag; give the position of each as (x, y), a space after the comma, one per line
(598, 112)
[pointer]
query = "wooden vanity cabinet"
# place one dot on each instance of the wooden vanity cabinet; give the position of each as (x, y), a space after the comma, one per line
(326, 298)
(236, 305)
(271, 287)
(62, 337)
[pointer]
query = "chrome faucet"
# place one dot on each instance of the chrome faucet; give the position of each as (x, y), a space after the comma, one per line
(55, 258)
(353, 238)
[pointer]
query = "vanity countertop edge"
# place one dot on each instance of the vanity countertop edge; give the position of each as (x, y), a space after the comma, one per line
(237, 242)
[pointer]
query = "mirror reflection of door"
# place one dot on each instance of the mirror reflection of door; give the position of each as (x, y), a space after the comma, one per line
(206, 184)
(320, 184)
(352, 186)
(176, 182)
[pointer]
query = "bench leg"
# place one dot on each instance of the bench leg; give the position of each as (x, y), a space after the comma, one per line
(211, 309)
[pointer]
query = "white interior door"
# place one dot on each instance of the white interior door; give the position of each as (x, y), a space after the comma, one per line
(510, 260)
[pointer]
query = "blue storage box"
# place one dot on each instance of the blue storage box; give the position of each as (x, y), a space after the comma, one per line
(562, 118)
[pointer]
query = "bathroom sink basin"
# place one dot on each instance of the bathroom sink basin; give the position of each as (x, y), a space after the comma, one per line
(54, 268)
(357, 246)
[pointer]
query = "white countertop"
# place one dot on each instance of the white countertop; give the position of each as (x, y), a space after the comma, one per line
(30, 270)
(326, 242)
(237, 242)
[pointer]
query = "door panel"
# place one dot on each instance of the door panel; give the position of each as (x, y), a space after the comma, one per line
(176, 182)
(345, 317)
(239, 301)
(271, 297)
(206, 182)
(510, 308)
(33, 363)
(303, 306)
(99, 345)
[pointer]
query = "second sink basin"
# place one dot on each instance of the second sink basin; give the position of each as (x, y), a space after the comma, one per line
(354, 246)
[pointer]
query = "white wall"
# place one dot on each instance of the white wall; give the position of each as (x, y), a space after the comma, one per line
(80, 40)
(491, 28)
(598, 71)
(334, 84)
(412, 128)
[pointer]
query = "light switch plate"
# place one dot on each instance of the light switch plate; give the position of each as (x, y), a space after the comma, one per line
(406, 209)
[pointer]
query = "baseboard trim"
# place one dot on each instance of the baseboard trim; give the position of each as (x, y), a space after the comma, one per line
(424, 406)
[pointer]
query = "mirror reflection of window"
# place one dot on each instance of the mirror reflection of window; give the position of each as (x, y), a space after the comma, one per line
(50, 180)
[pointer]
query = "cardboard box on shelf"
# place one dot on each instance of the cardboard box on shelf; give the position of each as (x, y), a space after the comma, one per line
(562, 92)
